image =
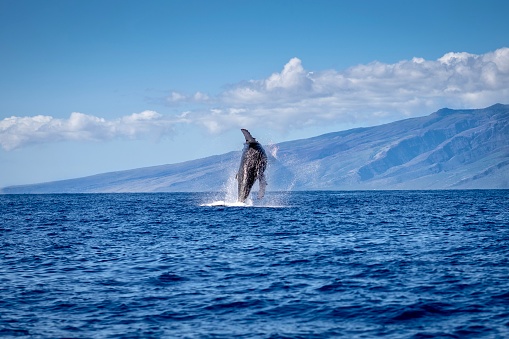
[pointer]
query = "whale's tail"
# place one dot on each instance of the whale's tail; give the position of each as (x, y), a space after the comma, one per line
(248, 136)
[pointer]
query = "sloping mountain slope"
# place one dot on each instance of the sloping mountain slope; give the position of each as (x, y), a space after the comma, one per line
(449, 149)
(187, 176)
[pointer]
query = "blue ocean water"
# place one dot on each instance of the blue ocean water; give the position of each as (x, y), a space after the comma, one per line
(393, 264)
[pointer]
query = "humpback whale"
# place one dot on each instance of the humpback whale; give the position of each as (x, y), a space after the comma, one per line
(252, 167)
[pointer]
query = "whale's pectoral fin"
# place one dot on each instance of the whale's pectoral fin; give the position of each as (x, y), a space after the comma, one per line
(263, 183)
(248, 136)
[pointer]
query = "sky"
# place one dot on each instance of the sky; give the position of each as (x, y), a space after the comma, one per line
(94, 86)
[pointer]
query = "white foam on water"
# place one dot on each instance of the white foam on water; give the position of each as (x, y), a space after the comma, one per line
(270, 201)
(222, 203)
(259, 204)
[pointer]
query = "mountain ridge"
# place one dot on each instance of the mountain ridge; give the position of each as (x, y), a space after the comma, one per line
(448, 149)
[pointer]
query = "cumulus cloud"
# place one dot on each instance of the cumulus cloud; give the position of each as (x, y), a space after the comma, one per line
(365, 94)
(296, 98)
(16, 132)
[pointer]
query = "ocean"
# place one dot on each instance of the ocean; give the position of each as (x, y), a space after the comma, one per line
(367, 264)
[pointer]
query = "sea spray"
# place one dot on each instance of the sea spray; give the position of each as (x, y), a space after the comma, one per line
(228, 196)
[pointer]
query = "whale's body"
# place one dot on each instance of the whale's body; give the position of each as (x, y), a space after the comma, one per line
(252, 168)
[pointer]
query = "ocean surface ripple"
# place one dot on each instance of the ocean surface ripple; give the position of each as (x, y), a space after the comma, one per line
(397, 264)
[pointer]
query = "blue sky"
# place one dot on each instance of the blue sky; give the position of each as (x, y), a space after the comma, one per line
(93, 86)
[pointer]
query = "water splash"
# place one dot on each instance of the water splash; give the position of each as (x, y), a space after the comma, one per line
(228, 196)
(230, 190)
(273, 148)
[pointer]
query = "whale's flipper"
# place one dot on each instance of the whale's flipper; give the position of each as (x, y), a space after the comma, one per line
(248, 136)
(263, 183)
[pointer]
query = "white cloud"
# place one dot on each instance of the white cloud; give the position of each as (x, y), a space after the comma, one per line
(292, 76)
(296, 98)
(199, 96)
(16, 132)
(176, 97)
(363, 94)
(277, 88)
(180, 98)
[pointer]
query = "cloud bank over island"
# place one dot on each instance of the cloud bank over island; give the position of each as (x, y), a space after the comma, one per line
(364, 93)
(296, 98)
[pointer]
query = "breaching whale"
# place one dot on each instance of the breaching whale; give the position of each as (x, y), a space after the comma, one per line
(252, 167)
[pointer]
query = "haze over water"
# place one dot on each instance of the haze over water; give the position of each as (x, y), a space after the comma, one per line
(392, 264)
